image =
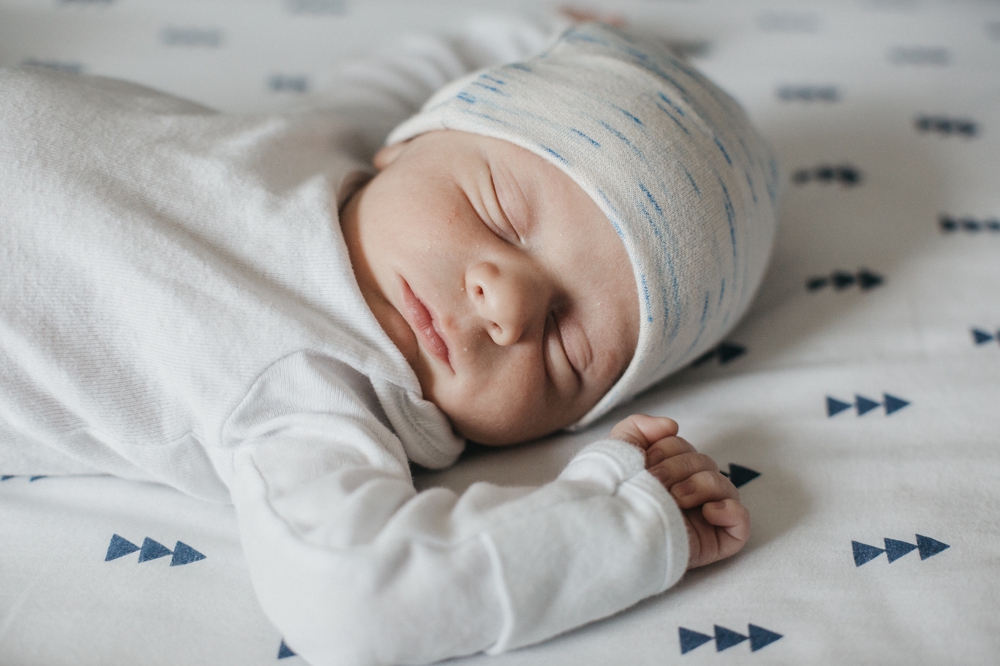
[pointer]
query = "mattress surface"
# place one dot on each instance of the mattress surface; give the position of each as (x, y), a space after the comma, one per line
(856, 406)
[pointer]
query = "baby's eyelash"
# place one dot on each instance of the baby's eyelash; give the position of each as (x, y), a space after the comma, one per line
(496, 197)
(507, 237)
(562, 343)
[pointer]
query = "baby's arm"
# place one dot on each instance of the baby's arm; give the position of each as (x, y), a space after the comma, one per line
(718, 524)
(354, 566)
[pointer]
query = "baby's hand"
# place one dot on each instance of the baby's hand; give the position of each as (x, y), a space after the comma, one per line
(578, 15)
(717, 524)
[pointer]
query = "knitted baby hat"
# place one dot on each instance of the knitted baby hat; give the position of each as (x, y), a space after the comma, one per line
(671, 160)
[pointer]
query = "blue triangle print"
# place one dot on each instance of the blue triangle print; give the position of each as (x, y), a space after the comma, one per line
(981, 336)
(35, 478)
(741, 475)
(704, 358)
(893, 404)
(184, 554)
(152, 550)
(816, 283)
(761, 637)
(119, 547)
(867, 280)
(728, 351)
(834, 407)
(726, 638)
(6, 476)
(929, 547)
(284, 652)
(896, 549)
(864, 405)
(842, 280)
(863, 553)
(691, 639)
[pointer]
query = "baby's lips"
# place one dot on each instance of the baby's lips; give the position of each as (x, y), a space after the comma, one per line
(422, 322)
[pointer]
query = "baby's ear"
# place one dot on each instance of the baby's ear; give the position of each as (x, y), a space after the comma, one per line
(388, 154)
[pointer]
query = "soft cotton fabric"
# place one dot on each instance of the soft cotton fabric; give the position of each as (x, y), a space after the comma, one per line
(830, 85)
(177, 305)
(672, 161)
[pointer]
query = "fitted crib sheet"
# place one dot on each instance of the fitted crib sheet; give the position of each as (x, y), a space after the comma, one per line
(857, 406)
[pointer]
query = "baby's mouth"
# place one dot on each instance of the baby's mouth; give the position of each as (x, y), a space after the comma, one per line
(422, 322)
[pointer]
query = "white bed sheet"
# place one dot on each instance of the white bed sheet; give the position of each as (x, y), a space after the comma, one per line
(862, 389)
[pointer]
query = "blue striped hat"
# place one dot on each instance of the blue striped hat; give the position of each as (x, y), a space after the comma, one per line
(672, 161)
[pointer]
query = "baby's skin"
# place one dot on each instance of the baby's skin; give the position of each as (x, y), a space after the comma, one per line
(530, 310)
(718, 525)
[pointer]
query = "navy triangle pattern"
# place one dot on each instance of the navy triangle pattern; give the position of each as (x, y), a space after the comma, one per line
(724, 351)
(152, 550)
(834, 406)
(863, 553)
(895, 549)
(30, 478)
(184, 554)
(950, 224)
(691, 639)
(929, 546)
(727, 351)
(863, 405)
(740, 475)
(284, 652)
(761, 637)
(841, 280)
(982, 337)
(893, 404)
(119, 547)
(725, 638)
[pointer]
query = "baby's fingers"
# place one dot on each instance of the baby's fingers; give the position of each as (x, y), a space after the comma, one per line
(703, 487)
(585, 16)
(732, 520)
(667, 447)
(680, 467)
(642, 429)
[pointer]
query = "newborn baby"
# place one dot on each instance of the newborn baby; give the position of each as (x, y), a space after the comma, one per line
(234, 306)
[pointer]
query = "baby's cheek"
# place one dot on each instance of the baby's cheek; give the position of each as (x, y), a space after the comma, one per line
(507, 406)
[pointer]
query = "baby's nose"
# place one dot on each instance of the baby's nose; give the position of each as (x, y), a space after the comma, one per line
(506, 298)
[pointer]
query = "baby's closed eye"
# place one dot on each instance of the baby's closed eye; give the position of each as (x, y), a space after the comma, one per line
(575, 344)
(559, 364)
(511, 200)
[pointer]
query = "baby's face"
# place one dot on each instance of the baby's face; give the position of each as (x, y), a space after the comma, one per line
(500, 280)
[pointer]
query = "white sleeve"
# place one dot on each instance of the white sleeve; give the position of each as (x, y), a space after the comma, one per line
(381, 89)
(356, 567)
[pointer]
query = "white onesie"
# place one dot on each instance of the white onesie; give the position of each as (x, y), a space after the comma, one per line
(177, 305)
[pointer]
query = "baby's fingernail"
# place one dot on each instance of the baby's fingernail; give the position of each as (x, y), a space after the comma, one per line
(682, 490)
